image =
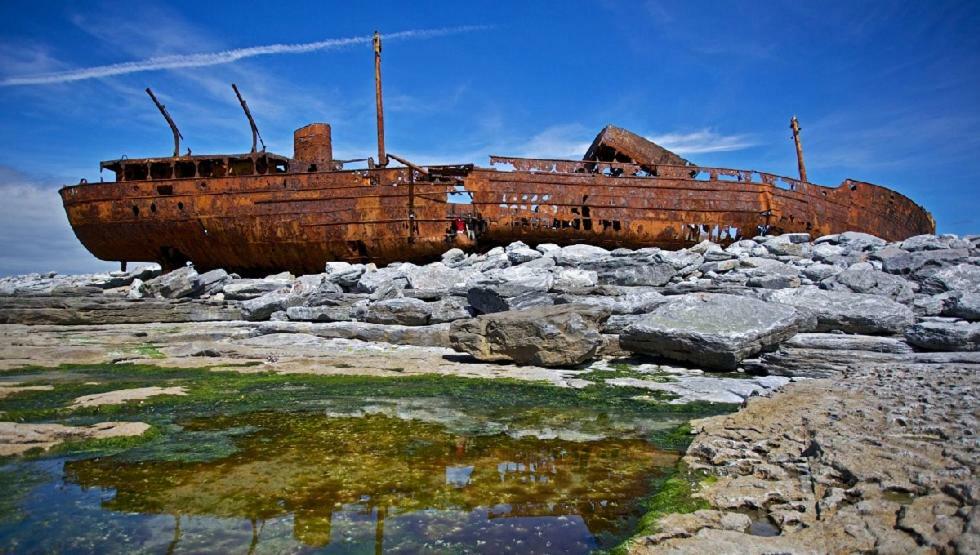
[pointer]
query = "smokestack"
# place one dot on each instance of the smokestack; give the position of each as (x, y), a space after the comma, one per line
(312, 145)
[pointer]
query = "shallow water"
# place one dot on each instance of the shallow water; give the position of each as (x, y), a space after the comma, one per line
(324, 481)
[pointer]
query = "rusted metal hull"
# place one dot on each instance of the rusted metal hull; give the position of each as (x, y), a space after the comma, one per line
(257, 224)
(562, 202)
(299, 221)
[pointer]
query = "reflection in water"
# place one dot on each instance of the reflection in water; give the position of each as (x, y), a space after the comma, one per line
(298, 482)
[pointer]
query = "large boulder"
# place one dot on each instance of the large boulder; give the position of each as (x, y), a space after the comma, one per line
(630, 303)
(711, 330)
(898, 261)
(344, 274)
(871, 281)
(393, 276)
(943, 334)
(183, 282)
(844, 311)
(565, 335)
(961, 277)
(490, 292)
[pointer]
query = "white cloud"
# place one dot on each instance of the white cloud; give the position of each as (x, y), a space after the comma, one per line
(699, 142)
(34, 231)
(223, 57)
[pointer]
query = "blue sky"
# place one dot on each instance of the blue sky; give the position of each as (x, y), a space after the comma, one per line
(886, 92)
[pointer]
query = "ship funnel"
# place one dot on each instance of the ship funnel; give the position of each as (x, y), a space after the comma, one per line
(312, 146)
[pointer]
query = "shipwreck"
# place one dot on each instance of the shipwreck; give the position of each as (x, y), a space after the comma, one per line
(261, 212)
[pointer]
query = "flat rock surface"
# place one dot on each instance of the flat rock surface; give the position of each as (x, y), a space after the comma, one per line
(20, 437)
(711, 330)
(885, 460)
(121, 396)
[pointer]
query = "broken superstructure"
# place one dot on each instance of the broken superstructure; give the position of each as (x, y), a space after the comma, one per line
(261, 212)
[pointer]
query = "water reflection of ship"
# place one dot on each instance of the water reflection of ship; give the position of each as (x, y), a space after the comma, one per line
(375, 467)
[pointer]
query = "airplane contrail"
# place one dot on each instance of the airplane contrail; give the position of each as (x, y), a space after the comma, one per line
(223, 57)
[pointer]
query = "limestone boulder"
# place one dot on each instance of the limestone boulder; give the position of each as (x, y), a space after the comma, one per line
(554, 336)
(402, 311)
(183, 282)
(845, 311)
(714, 331)
(945, 334)
(871, 281)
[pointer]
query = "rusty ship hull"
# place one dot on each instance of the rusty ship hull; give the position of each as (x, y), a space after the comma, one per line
(297, 221)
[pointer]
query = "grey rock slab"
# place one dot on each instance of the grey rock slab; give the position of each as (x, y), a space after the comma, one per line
(183, 282)
(966, 306)
(855, 240)
(635, 303)
(844, 311)
(436, 335)
(961, 277)
(555, 336)
(244, 289)
(262, 308)
(901, 262)
(711, 330)
(945, 335)
(404, 311)
(574, 255)
(871, 281)
(450, 309)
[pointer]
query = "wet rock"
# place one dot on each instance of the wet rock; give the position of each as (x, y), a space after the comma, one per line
(402, 311)
(706, 388)
(565, 335)
(945, 335)
(847, 312)
(183, 282)
(711, 330)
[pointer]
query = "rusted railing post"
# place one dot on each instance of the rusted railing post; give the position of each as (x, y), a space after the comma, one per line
(794, 124)
(382, 158)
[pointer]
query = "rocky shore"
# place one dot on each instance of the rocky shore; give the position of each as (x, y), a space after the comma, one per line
(873, 347)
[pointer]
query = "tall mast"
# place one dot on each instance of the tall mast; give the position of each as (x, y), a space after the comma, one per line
(382, 157)
(170, 121)
(794, 124)
(251, 122)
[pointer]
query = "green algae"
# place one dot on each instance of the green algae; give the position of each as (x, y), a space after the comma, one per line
(320, 448)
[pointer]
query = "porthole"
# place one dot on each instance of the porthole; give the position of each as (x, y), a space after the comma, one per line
(153, 207)
(180, 206)
(136, 210)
